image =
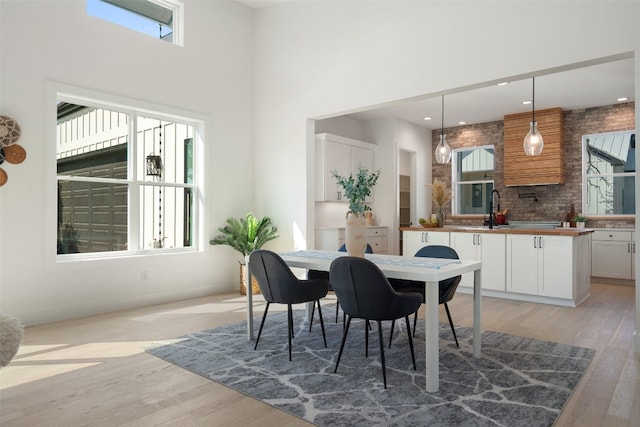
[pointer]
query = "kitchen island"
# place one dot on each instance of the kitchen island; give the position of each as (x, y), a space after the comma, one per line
(545, 265)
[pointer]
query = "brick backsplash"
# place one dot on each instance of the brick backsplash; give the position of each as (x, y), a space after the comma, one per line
(553, 200)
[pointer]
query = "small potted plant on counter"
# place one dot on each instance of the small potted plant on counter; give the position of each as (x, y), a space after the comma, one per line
(580, 220)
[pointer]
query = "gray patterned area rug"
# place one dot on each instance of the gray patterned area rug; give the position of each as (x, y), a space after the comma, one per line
(517, 382)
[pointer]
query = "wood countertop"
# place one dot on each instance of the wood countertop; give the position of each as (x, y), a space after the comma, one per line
(538, 231)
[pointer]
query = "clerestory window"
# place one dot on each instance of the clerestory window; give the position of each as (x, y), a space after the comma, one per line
(156, 18)
(126, 179)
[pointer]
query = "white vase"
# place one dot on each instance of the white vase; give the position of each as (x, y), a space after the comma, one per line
(356, 234)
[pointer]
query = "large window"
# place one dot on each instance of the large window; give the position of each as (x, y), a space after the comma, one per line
(609, 171)
(125, 179)
(472, 180)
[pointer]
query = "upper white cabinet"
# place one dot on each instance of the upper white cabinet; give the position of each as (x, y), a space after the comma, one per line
(344, 155)
(485, 247)
(613, 253)
(412, 241)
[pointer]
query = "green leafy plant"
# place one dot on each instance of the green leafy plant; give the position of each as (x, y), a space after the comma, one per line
(579, 218)
(246, 235)
(357, 188)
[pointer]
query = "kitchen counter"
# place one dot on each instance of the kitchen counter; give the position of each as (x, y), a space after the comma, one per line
(497, 230)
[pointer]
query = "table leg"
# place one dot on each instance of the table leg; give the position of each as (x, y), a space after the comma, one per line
(477, 306)
(249, 300)
(432, 337)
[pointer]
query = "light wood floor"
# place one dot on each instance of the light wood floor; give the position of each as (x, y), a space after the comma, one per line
(94, 371)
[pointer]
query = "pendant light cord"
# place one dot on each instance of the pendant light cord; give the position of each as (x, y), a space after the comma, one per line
(442, 128)
(533, 114)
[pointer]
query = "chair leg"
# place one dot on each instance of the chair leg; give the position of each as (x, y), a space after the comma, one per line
(290, 324)
(415, 322)
(413, 355)
(393, 325)
(313, 310)
(446, 307)
(384, 368)
(324, 337)
(337, 308)
(344, 339)
(264, 316)
(366, 338)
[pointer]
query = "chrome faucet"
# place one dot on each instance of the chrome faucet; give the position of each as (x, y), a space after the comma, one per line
(492, 214)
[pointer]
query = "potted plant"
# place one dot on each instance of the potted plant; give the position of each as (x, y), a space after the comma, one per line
(246, 235)
(356, 189)
(440, 197)
(580, 220)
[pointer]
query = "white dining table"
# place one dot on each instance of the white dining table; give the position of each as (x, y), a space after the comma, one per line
(429, 270)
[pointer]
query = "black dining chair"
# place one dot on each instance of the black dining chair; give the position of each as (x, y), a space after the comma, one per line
(365, 293)
(279, 285)
(447, 287)
(319, 274)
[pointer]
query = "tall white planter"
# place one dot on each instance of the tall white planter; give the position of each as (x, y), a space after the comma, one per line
(356, 234)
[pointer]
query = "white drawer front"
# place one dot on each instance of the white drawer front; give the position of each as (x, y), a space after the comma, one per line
(612, 235)
(376, 231)
(378, 244)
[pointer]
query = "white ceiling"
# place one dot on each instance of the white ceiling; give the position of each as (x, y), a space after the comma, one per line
(571, 89)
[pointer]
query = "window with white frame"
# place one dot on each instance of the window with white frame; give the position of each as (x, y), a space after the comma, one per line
(125, 179)
(609, 171)
(472, 179)
(156, 18)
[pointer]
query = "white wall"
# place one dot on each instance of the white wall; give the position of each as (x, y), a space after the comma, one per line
(319, 59)
(55, 41)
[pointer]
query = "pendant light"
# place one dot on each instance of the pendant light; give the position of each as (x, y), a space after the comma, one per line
(443, 150)
(533, 142)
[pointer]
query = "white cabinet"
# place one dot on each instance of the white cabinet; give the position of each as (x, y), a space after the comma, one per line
(613, 253)
(331, 238)
(344, 155)
(485, 247)
(551, 266)
(412, 241)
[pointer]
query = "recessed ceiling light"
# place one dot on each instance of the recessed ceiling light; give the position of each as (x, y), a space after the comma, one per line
(526, 102)
(503, 83)
(462, 123)
(427, 118)
(624, 98)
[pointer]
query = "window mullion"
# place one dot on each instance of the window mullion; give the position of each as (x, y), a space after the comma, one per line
(134, 189)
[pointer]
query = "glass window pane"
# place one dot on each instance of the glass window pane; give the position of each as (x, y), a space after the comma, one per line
(143, 16)
(473, 199)
(610, 167)
(92, 217)
(166, 148)
(609, 195)
(166, 219)
(475, 165)
(91, 142)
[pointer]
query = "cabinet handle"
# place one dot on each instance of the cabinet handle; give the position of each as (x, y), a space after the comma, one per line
(540, 242)
(628, 247)
(339, 195)
(479, 240)
(534, 242)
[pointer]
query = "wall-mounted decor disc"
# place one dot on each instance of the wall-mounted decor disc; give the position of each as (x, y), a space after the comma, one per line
(14, 153)
(3, 177)
(9, 131)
